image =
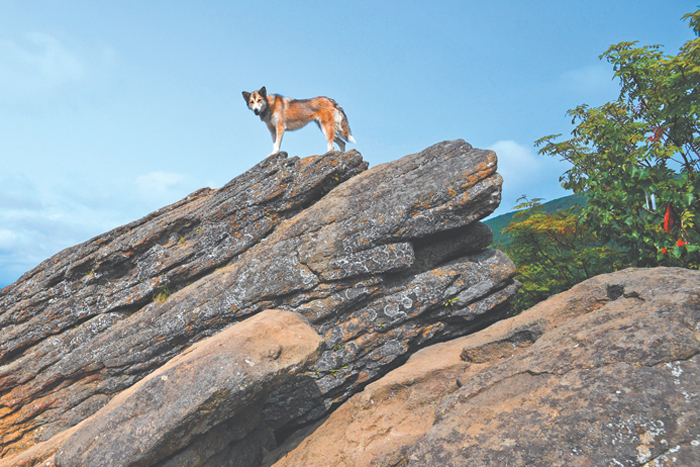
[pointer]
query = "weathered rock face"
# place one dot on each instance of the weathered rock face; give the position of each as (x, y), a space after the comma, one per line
(54, 319)
(389, 260)
(380, 424)
(604, 374)
(215, 380)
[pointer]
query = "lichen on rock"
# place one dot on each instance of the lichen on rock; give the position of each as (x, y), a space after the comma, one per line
(378, 262)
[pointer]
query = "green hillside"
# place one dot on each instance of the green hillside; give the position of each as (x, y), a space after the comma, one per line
(499, 223)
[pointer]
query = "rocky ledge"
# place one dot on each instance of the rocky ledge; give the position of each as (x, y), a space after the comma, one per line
(605, 374)
(208, 332)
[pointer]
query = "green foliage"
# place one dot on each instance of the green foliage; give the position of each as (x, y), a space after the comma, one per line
(162, 295)
(554, 252)
(637, 158)
(499, 223)
(451, 301)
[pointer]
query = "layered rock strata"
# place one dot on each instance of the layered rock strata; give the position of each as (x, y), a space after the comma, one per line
(55, 370)
(378, 262)
(606, 373)
(217, 379)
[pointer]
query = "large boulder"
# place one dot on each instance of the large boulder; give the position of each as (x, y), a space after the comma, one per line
(378, 262)
(217, 379)
(606, 373)
(54, 369)
(380, 424)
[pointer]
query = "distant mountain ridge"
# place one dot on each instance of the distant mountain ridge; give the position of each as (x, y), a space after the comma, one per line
(499, 223)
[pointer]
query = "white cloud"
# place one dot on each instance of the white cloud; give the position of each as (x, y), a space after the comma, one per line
(591, 83)
(159, 184)
(37, 220)
(7, 239)
(28, 237)
(515, 162)
(37, 64)
(53, 60)
(18, 192)
(32, 230)
(526, 173)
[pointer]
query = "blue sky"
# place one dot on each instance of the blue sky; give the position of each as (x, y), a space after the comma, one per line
(110, 110)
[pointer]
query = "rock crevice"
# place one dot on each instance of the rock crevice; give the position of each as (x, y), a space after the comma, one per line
(579, 379)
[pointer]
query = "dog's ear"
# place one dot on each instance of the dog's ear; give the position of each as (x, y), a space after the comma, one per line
(246, 96)
(263, 91)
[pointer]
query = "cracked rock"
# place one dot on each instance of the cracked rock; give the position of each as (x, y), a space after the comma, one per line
(377, 262)
(583, 378)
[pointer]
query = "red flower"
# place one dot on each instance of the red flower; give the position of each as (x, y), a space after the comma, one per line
(668, 220)
(663, 250)
(681, 243)
(658, 133)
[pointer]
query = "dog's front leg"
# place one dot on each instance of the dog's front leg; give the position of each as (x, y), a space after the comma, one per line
(277, 137)
(276, 142)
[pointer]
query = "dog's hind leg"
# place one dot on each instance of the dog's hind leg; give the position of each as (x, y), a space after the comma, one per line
(328, 130)
(341, 124)
(341, 143)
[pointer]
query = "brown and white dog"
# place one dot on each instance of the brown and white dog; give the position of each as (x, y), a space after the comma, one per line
(282, 113)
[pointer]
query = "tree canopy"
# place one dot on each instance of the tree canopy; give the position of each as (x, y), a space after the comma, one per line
(637, 158)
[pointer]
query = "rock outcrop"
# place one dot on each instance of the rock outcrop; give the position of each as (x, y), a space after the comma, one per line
(607, 373)
(217, 379)
(100, 345)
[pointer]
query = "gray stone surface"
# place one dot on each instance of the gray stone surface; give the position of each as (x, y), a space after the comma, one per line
(53, 369)
(390, 260)
(616, 384)
(605, 374)
(217, 379)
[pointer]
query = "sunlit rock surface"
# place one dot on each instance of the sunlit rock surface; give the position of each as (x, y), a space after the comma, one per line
(607, 373)
(376, 263)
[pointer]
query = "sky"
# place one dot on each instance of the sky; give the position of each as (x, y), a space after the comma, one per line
(111, 110)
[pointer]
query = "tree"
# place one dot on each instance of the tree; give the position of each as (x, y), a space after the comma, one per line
(553, 252)
(637, 158)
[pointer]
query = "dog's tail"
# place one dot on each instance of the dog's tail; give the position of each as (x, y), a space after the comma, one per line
(341, 123)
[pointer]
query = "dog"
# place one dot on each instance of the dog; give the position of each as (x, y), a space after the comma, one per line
(282, 114)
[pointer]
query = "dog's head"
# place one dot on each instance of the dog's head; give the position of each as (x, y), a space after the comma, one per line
(256, 100)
